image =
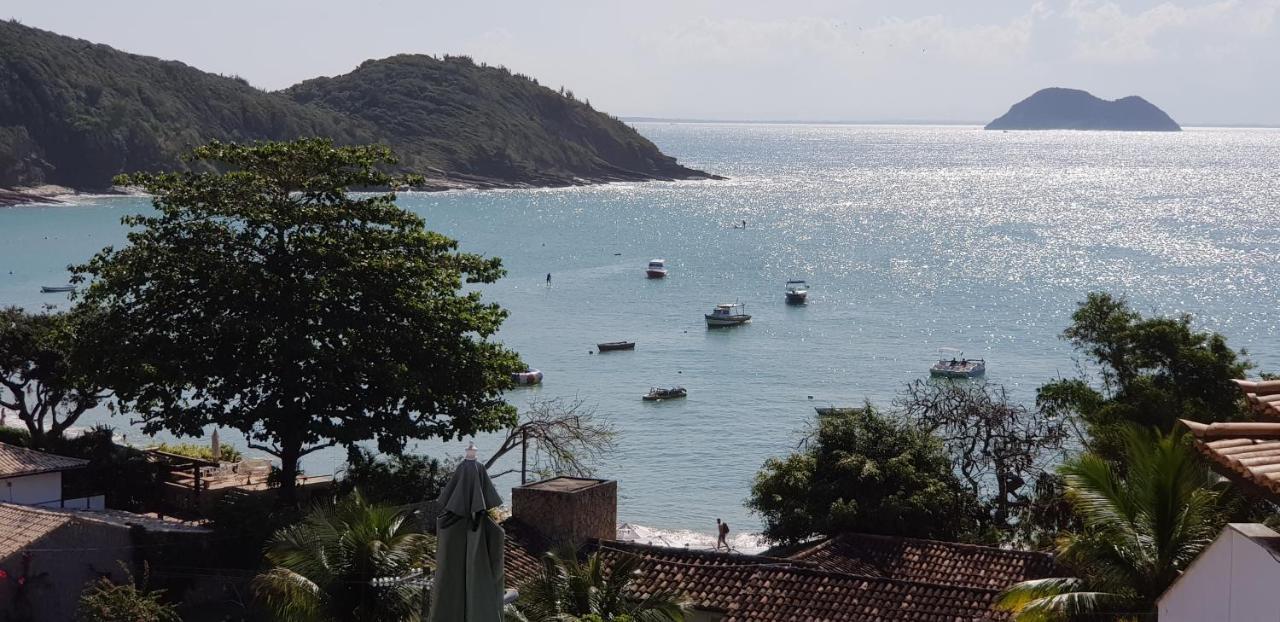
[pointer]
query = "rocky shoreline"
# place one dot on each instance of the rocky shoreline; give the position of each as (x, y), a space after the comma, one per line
(28, 196)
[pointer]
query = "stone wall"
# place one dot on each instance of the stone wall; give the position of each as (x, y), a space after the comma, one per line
(567, 511)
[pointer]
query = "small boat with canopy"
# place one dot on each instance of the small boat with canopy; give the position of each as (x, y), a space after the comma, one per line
(797, 292)
(727, 314)
(953, 364)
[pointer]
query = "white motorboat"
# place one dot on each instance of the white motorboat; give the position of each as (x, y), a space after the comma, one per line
(797, 292)
(953, 364)
(728, 314)
(528, 376)
(657, 268)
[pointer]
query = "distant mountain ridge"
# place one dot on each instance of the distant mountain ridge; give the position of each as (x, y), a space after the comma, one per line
(1072, 109)
(75, 113)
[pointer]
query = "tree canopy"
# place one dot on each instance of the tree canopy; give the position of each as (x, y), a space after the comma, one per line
(859, 471)
(41, 380)
(267, 299)
(1151, 372)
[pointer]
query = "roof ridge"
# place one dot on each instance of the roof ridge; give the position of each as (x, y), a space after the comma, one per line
(963, 545)
(760, 559)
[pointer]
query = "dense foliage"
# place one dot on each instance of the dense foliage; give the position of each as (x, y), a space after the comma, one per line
(572, 590)
(1143, 524)
(77, 114)
(268, 300)
(107, 601)
(42, 381)
(398, 479)
(323, 568)
(1152, 372)
(863, 472)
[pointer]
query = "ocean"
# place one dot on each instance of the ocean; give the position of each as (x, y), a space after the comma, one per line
(911, 238)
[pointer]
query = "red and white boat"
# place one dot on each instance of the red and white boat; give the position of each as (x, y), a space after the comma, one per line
(657, 268)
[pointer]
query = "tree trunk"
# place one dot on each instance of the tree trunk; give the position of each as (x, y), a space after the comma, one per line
(290, 453)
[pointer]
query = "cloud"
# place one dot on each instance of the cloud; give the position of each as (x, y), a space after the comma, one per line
(1106, 33)
(739, 41)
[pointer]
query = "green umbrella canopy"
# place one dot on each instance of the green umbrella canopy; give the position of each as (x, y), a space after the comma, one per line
(468, 579)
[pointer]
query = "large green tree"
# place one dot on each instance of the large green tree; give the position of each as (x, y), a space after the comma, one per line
(1143, 524)
(267, 298)
(347, 561)
(859, 471)
(41, 381)
(1150, 372)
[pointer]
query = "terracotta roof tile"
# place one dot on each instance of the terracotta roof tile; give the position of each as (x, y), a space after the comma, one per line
(522, 555)
(21, 525)
(15, 461)
(803, 595)
(1247, 453)
(710, 580)
(926, 560)
(1263, 396)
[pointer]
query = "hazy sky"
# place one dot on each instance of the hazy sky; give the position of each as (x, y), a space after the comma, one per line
(1202, 61)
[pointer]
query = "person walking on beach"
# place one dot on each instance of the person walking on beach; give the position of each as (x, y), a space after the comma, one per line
(548, 279)
(722, 529)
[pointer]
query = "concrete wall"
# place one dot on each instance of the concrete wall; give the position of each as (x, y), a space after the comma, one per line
(1234, 580)
(32, 489)
(570, 515)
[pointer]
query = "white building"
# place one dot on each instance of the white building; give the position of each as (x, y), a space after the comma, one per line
(30, 477)
(1234, 580)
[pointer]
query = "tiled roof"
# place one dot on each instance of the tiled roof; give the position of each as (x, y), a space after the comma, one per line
(798, 594)
(21, 525)
(926, 560)
(708, 579)
(1248, 453)
(1263, 395)
(16, 461)
(522, 552)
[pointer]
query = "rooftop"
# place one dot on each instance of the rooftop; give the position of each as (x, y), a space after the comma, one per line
(564, 483)
(20, 526)
(1248, 453)
(16, 461)
(851, 578)
(929, 561)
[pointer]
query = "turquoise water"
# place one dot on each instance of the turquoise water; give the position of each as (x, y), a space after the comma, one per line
(911, 238)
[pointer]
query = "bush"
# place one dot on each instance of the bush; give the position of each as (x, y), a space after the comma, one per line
(107, 601)
(202, 452)
(393, 480)
(15, 436)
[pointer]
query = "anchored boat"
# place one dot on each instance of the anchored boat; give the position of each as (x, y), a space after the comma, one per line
(657, 268)
(54, 289)
(658, 394)
(609, 346)
(953, 364)
(528, 376)
(728, 314)
(797, 292)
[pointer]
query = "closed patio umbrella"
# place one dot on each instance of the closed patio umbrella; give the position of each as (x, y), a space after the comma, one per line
(468, 578)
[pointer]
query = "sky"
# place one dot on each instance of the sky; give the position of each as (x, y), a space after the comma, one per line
(1203, 62)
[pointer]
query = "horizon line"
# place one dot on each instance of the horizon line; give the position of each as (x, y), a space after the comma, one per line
(944, 122)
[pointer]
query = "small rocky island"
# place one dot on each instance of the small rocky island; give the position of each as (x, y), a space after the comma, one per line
(1072, 109)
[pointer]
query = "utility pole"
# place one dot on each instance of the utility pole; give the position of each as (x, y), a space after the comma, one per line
(524, 452)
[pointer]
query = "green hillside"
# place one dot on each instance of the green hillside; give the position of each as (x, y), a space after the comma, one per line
(75, 113)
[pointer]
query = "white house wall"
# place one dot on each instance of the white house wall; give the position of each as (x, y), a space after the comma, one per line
(37, 489)
(1234, 580)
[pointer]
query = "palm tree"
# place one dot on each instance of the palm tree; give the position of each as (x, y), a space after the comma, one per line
(323, 568)
(1145, 520)
(570, 590)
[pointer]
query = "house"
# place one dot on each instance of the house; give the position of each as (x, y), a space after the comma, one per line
(1231, 581)
(30, 477)
(850, 578)
(47, 556)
